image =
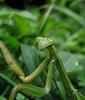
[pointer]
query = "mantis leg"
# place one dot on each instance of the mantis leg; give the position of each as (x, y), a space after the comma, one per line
(36, 73)
(31, 90)
(10, 60)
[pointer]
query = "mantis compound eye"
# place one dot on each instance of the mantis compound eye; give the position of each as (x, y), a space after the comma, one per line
(44, 42)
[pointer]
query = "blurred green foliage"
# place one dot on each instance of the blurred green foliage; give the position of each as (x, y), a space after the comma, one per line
(62, 22)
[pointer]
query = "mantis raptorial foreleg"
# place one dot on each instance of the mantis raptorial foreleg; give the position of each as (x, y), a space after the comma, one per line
(39, 69)
(10, 60)
(17, 69)
(32, 90)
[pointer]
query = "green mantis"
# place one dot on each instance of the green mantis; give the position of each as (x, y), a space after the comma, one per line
(53, 59)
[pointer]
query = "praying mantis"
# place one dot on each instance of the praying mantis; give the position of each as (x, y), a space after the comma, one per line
(53, 60)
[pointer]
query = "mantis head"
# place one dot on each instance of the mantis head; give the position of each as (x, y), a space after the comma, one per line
(44, 42)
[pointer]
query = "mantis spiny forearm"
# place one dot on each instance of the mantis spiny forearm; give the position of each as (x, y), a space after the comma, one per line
(36, 73)
(10, 60)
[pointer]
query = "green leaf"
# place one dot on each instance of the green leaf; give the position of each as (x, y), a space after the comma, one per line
(71, 64)
(25, 28)
(71, 14)
(81, 78)
(12, 13)
(11, 40)
(63, 2)
(21, 97)
(2, 98)
(30, 57)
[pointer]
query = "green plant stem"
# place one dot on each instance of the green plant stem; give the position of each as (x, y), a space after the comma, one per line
(69, 13)
(6, 90)
(5, 78)
(44, 19)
